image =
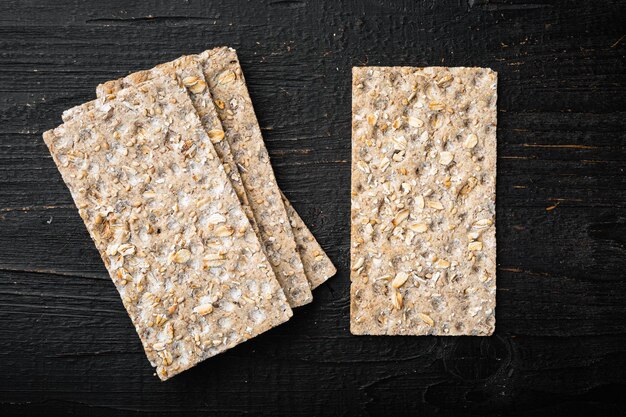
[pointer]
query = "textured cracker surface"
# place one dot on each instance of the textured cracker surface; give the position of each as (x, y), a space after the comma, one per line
(188, 70)
(423, 248)
(169, 227)
(317, 266)
(234, 107)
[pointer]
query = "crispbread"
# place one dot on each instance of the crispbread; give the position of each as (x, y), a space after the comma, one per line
(234, 107)
(423, 248)
(189, 71)
(170, 229)
(317, 265)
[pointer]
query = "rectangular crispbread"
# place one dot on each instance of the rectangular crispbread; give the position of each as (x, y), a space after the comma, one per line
(223, 73)
(170, 229)
(187, 69)
(423, 247)
(317, 265)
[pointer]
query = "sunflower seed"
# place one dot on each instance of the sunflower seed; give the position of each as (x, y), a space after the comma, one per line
(396, 300)
(359, 263)
(445, 158)
(475, 246)
(400, 279)
(442, 264)
(400, 217)
(426, 319)
(203, 309)
(418, 227)
(482, 223)
(181, 256)
(415, 122)
(470, 141)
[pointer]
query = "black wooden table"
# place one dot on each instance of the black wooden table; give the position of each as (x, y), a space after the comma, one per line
(66, 343)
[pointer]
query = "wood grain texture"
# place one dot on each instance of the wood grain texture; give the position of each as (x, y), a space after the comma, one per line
(66, 344)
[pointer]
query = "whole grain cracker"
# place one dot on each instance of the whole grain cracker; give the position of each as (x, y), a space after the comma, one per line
(188, 70)
(157, 203)
(423, 248)
(234, 107)
(317, 266)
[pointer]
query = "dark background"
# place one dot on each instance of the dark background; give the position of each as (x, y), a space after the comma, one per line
(66, 343)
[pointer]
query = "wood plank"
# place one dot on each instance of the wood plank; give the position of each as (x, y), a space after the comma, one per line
(559, 345)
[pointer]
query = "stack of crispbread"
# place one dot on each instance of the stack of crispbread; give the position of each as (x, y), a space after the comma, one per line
(171, 176)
